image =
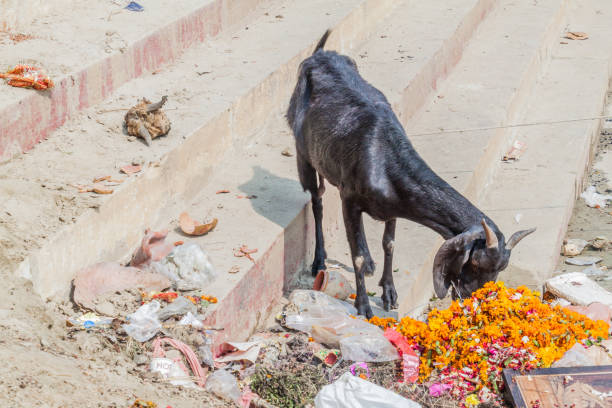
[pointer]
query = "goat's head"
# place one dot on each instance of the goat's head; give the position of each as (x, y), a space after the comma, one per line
(469, 260)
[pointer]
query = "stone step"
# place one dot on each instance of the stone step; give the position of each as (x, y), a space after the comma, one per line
(487, 88)
(91, 57)
(220, 94)
(541, 188)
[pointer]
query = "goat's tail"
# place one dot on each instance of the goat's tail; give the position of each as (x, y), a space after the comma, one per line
(322, 41)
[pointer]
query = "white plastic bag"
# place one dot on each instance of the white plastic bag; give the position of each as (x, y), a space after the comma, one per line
(349, 391)
(224, 385)
(305, 299)
(144, 323)
(370, 347)
(190, 320)
(169, 370)
(329, 321)
(593, 199)
(188, 267)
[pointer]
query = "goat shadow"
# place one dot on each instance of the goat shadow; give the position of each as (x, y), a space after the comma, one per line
(276, 196)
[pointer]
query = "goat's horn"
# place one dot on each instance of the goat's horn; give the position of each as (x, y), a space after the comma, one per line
(517, 236)
(492, 241)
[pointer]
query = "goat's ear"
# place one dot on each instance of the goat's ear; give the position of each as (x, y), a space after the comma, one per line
(451, 257)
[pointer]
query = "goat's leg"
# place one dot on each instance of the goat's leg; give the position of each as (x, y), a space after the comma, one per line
(308, 178)
(389, 296)
(362, 261)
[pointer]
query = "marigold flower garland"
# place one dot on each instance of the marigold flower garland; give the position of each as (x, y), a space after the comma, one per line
(470, 343)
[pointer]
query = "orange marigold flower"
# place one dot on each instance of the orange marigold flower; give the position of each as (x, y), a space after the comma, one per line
(480, 333)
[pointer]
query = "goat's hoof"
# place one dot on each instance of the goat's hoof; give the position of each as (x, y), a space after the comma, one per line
(389, 298)
(364, 309)
(369, 267)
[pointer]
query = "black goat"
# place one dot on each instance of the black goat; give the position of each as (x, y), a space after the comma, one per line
(346, 131)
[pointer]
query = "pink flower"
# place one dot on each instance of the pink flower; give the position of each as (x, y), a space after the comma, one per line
(437, 389)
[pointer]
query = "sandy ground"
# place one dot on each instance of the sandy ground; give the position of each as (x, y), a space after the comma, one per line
(588, 223)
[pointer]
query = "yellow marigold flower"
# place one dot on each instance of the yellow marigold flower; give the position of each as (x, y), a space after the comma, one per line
(472, 400)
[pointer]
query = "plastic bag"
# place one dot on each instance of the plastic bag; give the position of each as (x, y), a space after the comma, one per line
(187, 266)
(170, 370)
(89, 320)
(224, 385)
(372, 348)
(305, 299)
(593, 199)
(190, 320)
(144, 322)
(329, 322)
(353, 392)
(180, 306)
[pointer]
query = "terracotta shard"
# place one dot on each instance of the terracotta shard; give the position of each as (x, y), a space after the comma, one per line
(131, 169)
(153, 248)
(191, 227)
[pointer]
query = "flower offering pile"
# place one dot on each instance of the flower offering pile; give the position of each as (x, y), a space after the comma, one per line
(26, 76)
(466, 346)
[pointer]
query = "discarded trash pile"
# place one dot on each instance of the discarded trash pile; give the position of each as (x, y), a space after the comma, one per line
(321, 353)
(464, 348)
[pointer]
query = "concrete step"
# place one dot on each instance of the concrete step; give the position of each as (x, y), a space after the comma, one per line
(488, 87)
(549, 175)
(91, 57)
(220, 94)
(235, 144)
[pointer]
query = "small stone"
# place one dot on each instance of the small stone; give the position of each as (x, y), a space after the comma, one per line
(287, 153)
(140, 359)
(105, 308)
(583, 260)
(600, 242)
(44, 343)
(573, 247)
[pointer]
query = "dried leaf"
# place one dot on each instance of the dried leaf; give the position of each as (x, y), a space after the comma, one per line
(99, 190)
(576, 35)
(99, 179)
(191, 227)
(518, 148)
(131, 169)
(234, 269)
(222, 192)
(244, 251)
(287, 153)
